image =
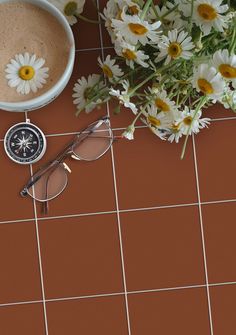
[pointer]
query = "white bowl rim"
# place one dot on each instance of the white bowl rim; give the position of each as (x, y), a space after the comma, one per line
(53, 90)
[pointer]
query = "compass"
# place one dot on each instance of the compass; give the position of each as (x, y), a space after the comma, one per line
(25, 143)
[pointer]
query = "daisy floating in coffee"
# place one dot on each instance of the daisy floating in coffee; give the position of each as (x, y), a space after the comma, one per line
(26, 73)
(71, 9)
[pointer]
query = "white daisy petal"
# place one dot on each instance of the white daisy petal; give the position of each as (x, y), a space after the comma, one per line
(177, 45)
(25, 72)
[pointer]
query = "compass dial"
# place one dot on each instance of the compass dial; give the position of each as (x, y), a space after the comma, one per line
(25, 143)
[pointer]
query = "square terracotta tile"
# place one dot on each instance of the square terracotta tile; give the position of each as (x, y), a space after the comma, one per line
(88, 317)
(171, 312)
(216, 161)
(150, 173)
(162, 248)
(20, 277)
(22, 320)
(81, 256)
(220, 231)
(12, 178)
(90, 184)
(223, 304)
(59, 116)
(87, 34)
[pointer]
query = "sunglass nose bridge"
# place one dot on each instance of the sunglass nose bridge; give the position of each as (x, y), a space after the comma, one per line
(66, 167)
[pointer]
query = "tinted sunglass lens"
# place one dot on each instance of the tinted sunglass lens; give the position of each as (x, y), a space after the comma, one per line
(50, 185)
(95, 144)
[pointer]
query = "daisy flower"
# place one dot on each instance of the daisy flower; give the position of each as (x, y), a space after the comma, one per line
(208, 81)
(113, 10)
(226, 65)
(26, 73)
(172, 20)
(228, 100)
(130, 53)
(69, 8)
(129, 132)
(135, 30)
(207, 14)
(83, 90)
(191, 123)
(176, 45)
(161, 101)
(158, 122)
(110, 11)
(124, 96)
(110, 69)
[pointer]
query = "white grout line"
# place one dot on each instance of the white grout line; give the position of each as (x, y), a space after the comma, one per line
(202, 235)
(77, 132)
(119, 128)
(167, 289)
(156, 207)
(223, 284)
(16, 221)
(218, 202)
(86, 297)
(120, 210)
(39, 256)
(225, 118)
(21, 303)
(93, 49)
(117, 202)
(104, 295)
(75, 215)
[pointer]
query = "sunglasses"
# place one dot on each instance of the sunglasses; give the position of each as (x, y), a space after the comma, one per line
(52, 178)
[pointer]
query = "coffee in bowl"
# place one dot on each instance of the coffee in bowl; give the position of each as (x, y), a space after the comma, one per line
(28, 28)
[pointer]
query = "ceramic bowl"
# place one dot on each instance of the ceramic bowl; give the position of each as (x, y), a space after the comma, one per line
(53, 92)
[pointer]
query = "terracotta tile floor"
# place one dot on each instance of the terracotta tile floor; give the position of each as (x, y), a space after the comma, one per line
(140, 243)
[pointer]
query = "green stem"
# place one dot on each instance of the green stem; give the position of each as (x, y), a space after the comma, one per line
(155, 12)
(145, 9)
(199, 106)
(233, 40)
(86, 19)
(166, 67)
(169, 11)
(94, 98)
(191, 17)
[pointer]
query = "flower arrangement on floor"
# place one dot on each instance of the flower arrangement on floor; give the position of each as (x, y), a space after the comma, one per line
(172, 60)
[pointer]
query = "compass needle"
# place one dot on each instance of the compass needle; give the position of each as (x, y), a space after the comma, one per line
(25, 143)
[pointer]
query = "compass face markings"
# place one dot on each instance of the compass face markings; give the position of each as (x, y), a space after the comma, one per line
(25, 143)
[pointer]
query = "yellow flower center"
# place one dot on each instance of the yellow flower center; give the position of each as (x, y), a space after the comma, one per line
(175, 128)
(26, 72)
(174, 50)
(154, 121)
(162, 105)
(129, 54)
(188, 120)
(133, 10)
(70, 8)
(107, 71)
(207, 12)
(227, 71)
(205, 86)
(137, 29)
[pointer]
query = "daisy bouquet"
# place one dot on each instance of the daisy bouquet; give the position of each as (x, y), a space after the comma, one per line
(171, 61)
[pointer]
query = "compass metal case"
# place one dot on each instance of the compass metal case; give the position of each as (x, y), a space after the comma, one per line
(25, 143)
